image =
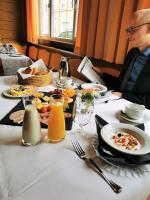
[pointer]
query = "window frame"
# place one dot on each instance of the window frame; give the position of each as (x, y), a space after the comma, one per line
(62, 43)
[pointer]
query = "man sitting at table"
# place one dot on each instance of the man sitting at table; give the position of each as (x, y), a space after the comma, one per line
(133, 83)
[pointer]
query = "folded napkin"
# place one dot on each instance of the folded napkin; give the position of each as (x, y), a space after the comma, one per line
(113, 156)
(3, 50)
(8, 48)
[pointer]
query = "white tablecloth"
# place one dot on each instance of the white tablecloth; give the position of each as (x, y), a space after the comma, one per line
(53, 171)
(12, 64)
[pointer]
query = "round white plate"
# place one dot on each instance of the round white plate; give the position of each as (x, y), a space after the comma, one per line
(6, 94)
(144, 140)
(96, 87)
(15, 55)
(143, 119)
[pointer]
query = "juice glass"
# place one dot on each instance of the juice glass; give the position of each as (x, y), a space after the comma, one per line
(56, 122)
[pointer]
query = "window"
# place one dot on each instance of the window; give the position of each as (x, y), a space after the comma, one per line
(44, 17)
(58, 18)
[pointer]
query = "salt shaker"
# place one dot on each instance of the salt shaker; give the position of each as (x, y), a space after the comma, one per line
(31, 129)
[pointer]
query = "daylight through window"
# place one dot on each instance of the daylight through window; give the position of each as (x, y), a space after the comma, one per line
(58, 18)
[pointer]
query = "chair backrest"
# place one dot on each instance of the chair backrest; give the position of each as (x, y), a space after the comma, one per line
(20, 48)
(74, 64)
(55, 61)
(44, 55)
(33, 52)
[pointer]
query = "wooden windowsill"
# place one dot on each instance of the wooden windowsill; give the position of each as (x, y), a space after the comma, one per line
(57, 43)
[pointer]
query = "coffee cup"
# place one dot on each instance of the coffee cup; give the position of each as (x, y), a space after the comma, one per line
(134, 111)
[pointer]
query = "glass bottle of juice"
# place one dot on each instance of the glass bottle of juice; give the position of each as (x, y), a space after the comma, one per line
(56, 122)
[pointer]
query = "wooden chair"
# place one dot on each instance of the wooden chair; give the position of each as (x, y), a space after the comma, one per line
(1, 68)
(44, 55)
(33, 52)
(74, 64)
(20, 48)
(55, 61)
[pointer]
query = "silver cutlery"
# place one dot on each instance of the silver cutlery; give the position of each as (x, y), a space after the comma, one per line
(112, 100)
(83, 155)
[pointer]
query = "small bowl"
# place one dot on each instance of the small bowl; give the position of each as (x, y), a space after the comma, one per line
(134, 111)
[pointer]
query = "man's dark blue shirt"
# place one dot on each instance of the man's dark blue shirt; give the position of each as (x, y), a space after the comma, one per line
(137, 68)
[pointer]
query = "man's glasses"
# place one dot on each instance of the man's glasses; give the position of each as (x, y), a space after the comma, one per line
(132, 29)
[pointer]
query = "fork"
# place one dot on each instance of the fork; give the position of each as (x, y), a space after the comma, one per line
(112, 100)
(83, 155)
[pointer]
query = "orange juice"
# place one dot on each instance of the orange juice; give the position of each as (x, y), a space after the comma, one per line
(56, 122)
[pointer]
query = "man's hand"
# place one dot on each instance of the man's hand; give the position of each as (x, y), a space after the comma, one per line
(97, 69)
(119, 94)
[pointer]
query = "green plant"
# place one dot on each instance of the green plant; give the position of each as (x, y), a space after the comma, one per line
(87, 97)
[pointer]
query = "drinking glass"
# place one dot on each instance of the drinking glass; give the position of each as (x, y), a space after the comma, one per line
(31, 128)
(56, 122)
(83, 113)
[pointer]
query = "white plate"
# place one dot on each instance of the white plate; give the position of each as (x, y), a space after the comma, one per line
(96, 87)
(15, 55)
(144, 140)
(6, 94)
(143, 119)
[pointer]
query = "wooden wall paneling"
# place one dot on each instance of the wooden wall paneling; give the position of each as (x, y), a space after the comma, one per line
(12, 13)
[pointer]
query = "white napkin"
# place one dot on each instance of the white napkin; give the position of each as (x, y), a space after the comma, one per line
(39, 64)
(13, 51)
(3, 50)
(8, 48)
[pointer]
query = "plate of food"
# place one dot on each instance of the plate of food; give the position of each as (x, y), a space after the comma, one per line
(96, 89)
(126, 138)
(118, 159)
(18, 91)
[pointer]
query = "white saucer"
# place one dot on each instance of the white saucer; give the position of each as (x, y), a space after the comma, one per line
(143, 119)
(72, 86)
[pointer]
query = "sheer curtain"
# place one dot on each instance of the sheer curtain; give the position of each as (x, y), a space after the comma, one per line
(101, 28)
(31, 21)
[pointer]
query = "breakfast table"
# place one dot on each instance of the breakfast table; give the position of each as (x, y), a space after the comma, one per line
(54, 171)
(10, 63)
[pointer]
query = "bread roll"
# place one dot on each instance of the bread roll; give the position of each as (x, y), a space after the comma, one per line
(28, 70)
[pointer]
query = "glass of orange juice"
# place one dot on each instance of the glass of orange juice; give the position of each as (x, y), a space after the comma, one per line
(56, 122)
